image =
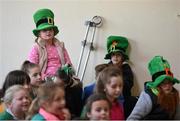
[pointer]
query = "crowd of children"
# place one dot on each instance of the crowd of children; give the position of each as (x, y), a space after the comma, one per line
(46, 88)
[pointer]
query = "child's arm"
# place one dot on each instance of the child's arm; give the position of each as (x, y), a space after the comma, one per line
(34, 55)
(67, 58)
(128, 78)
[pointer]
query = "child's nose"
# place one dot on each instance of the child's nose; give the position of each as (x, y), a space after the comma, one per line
(118, 89)
(39, 77)
(27, 100)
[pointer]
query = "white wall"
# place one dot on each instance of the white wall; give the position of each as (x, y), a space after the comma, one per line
(0, 44)
(152, 27)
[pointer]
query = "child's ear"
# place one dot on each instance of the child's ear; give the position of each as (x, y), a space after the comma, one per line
(9, 104)
(105, 89)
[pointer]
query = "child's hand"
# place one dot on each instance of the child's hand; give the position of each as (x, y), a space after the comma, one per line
(66, 114)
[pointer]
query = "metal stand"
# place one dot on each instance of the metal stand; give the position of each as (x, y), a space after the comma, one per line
(94, 23)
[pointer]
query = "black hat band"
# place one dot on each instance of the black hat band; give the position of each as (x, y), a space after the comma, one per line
(117, 48)
(45, 20)
(166, 72)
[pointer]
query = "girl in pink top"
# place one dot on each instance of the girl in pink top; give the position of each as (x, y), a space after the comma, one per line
(49, 104)
(47, 51)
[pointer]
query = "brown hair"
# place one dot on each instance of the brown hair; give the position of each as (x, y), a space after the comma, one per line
(93, 98)
(100, 68)
(104, 77)
(27, 65)
(45, 92)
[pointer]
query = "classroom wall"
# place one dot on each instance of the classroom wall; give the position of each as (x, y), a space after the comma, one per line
(152, 27)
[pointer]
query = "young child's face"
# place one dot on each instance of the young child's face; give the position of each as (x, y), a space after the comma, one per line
(116, 58)
(47, 34)
(166, 86)
(100, 110)
(21, 102)
(114, 88)
(57, 104)
(35, 76)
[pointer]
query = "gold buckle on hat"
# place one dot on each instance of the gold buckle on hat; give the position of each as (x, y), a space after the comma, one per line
(50, 20)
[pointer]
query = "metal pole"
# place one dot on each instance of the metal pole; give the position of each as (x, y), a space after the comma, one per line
(82, 49)
(87, 57)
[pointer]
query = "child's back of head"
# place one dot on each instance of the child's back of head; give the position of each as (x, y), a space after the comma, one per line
(16, 77)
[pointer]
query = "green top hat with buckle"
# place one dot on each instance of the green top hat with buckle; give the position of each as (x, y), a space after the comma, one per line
(159, 68)
(117, 44)
(44, 19)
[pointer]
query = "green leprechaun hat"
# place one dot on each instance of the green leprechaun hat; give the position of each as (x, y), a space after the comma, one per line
(159, 68)
(117, 44)
(44, 19)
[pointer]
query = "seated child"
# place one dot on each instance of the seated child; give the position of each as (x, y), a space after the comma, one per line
(110, 83)
(88, 90)
(117, 54)
(49, 103)
(17, 101)
(160, 99)
(34, 73)
(15, 77)
(98, 107)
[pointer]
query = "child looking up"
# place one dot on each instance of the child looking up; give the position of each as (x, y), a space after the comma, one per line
(160, 99)
(47, 51)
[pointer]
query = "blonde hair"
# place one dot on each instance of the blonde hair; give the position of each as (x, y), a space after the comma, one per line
(45, 92)
(9, 94)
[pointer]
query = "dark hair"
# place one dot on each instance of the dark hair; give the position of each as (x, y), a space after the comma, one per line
(28, 65)
(93, 98)
(15, 77)
(65, 74)
(104, 77)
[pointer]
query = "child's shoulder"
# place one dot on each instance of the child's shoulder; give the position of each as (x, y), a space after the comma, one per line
(6, 116)
(38, 117)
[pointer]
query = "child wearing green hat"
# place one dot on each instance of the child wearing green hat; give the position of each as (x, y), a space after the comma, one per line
(160, 99)
(47, 51)
(117, 49)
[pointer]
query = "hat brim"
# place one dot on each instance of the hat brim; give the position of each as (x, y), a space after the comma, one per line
(36, 31)
(108, 56)
(160, 79)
